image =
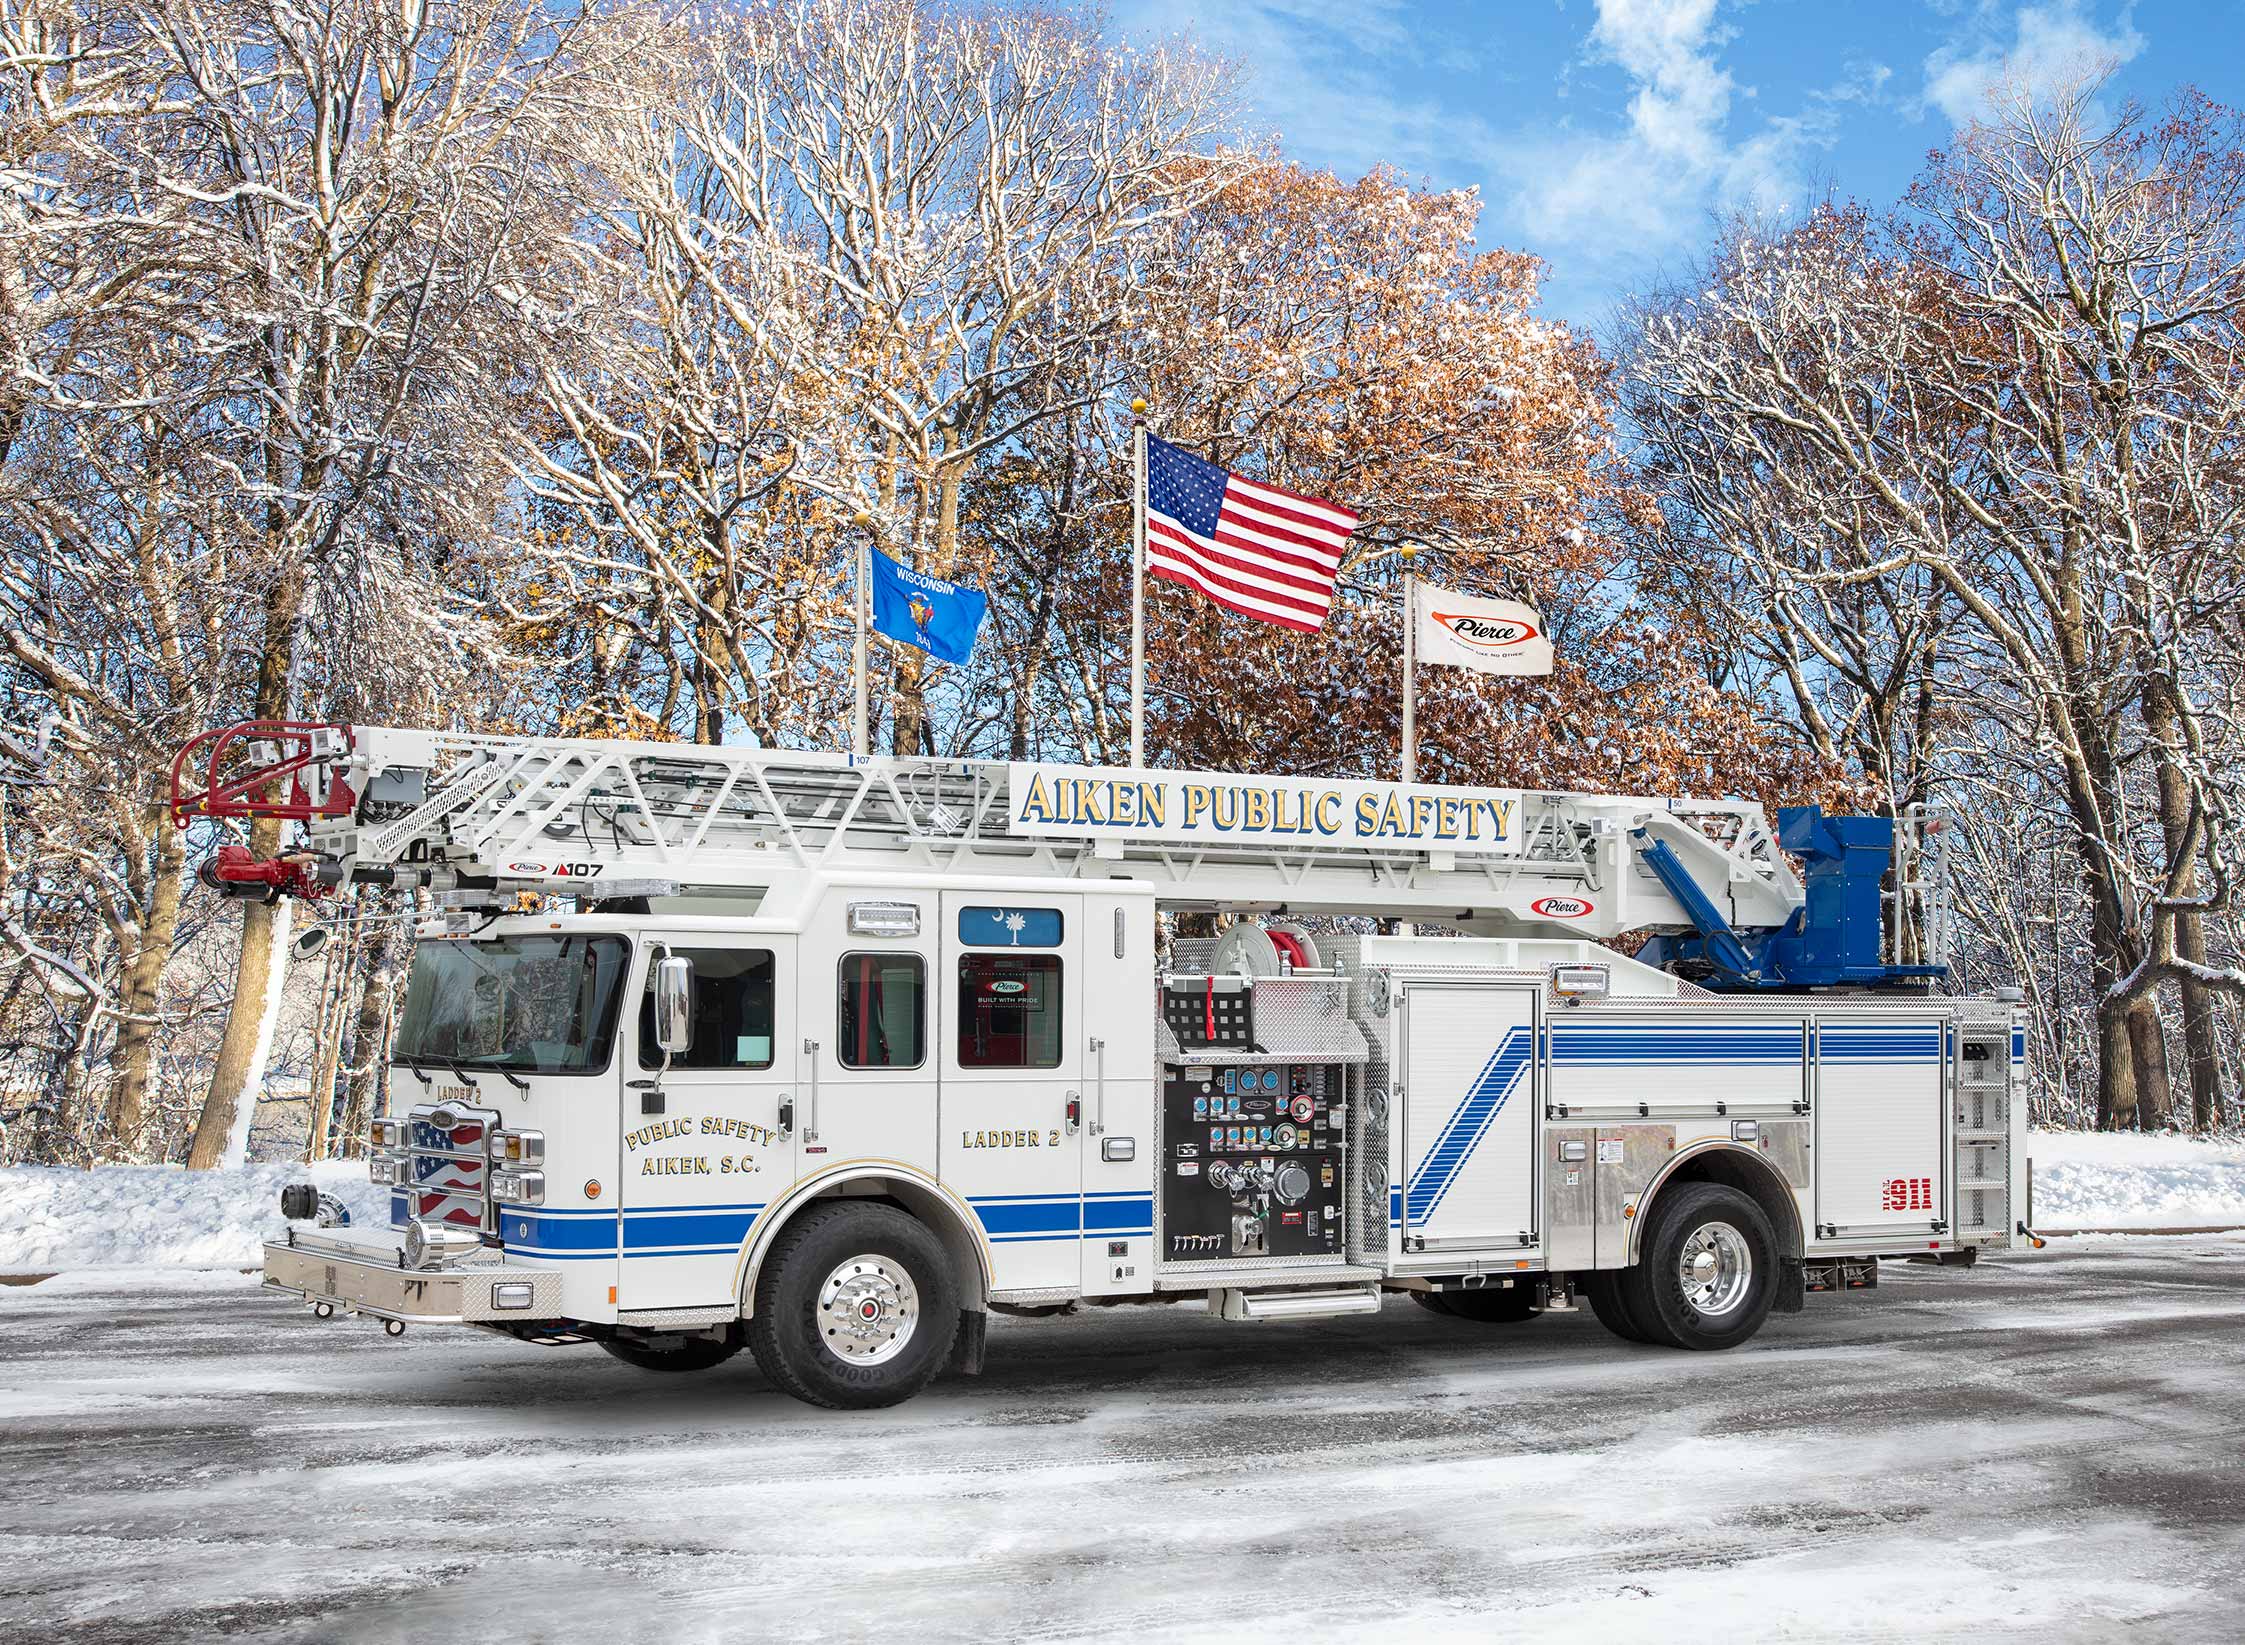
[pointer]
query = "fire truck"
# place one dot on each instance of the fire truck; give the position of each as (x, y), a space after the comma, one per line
(831, 1058)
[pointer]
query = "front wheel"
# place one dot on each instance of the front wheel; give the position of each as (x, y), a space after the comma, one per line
(856, 1307)
(1707, 1272)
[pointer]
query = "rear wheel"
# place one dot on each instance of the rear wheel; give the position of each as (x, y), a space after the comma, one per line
(856, 1307)
(1493, 1305)
(1707, 1273)
(673, 1353)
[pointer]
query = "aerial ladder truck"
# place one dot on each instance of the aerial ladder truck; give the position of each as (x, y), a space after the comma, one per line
(834, 1057)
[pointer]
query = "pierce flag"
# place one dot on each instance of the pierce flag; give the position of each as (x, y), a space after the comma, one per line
(938, 617)
(1493, 636)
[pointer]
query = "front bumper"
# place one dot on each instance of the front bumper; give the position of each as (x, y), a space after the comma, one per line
(358, 1277)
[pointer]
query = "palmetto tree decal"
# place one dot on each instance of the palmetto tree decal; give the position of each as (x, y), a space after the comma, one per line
(1016, 923)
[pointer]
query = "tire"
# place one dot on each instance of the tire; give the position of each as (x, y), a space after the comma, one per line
(1607, 1300)
(1707, 1272)
(1493, 1305)
(1434, 1302)
(688, 1354)
(856, 1307)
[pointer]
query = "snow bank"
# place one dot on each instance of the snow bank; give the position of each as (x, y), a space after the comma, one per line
(138, 1216)
(2097, 1179)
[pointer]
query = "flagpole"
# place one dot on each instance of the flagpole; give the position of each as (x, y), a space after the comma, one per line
(1137, 584)
(859, 732)
(1410, 664)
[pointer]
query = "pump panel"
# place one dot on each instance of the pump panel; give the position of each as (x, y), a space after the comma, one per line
(1253, 1166)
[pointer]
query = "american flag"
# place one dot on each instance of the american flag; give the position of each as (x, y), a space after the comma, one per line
(1250, 547)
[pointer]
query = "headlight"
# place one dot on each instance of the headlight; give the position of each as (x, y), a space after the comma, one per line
(519, 1187)
(518, 1147)
(386, 1134)
(388, 1168)
(430, 1244)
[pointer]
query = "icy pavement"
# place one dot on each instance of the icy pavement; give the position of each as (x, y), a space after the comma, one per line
(2043, 1448)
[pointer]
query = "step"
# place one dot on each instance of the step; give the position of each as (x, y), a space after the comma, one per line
(1325, 1303)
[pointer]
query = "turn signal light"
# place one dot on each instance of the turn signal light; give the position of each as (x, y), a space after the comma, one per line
(386, 1134)
(519, 1147)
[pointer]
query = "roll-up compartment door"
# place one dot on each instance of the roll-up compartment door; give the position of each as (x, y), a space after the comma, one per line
(1879, 1128)
(1468, 1076)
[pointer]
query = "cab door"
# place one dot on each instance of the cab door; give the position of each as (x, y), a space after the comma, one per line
(867, 1092)
(1011, 1052)
(703, 1150)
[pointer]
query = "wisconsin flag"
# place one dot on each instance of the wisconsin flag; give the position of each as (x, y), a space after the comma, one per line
(940, 618)
(1494, 636)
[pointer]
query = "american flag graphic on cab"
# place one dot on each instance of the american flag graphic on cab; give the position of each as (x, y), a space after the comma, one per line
(1250, 547)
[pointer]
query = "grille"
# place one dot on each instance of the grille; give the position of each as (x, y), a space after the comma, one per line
(448, 1151)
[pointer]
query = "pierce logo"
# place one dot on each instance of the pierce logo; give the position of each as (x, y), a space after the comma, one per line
(1561, 908)
(1487, 633)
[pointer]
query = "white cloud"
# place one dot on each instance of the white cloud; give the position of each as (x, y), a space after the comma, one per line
(1603, 195)
(1619, 195)
(1325, 74)
(2050, 44)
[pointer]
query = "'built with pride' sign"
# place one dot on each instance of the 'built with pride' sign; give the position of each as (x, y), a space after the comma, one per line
(1213, 806)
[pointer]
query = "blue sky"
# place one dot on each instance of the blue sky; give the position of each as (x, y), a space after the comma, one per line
(1604, 135)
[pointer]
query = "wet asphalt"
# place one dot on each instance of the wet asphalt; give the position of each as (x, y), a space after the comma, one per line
(2045, 1447)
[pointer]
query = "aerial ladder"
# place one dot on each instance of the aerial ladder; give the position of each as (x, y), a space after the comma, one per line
(478, 817)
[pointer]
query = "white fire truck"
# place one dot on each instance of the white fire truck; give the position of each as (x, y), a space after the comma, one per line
(708, 1048)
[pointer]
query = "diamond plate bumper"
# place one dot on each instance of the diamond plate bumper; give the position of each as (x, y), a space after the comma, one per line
(363, 1278)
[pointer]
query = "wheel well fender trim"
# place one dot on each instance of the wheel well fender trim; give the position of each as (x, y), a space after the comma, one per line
(947, 1216)
(1719, 1159)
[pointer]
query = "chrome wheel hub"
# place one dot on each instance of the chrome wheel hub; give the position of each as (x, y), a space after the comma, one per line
(868, 1309)
(1714, 1269)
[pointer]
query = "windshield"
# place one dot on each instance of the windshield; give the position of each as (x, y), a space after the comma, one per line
(542, 1005)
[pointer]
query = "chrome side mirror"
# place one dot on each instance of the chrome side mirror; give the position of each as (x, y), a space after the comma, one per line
(674, 1004)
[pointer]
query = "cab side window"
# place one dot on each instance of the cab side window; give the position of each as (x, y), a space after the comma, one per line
(882, 1016)
(1009, 1010)
(732, 1011)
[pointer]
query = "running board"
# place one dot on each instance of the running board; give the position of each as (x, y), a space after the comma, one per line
(1320, 1304)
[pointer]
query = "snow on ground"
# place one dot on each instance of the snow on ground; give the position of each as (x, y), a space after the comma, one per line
(139, 1216)
(2093, 1179)
(2039, 1449)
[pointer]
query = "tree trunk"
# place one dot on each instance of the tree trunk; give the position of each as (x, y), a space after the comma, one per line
(2201, 1043)
(239, 1068)
(370, 1048)
(327, 1043)
(2147, 1041)
(2116, 1079)
(142, 996)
